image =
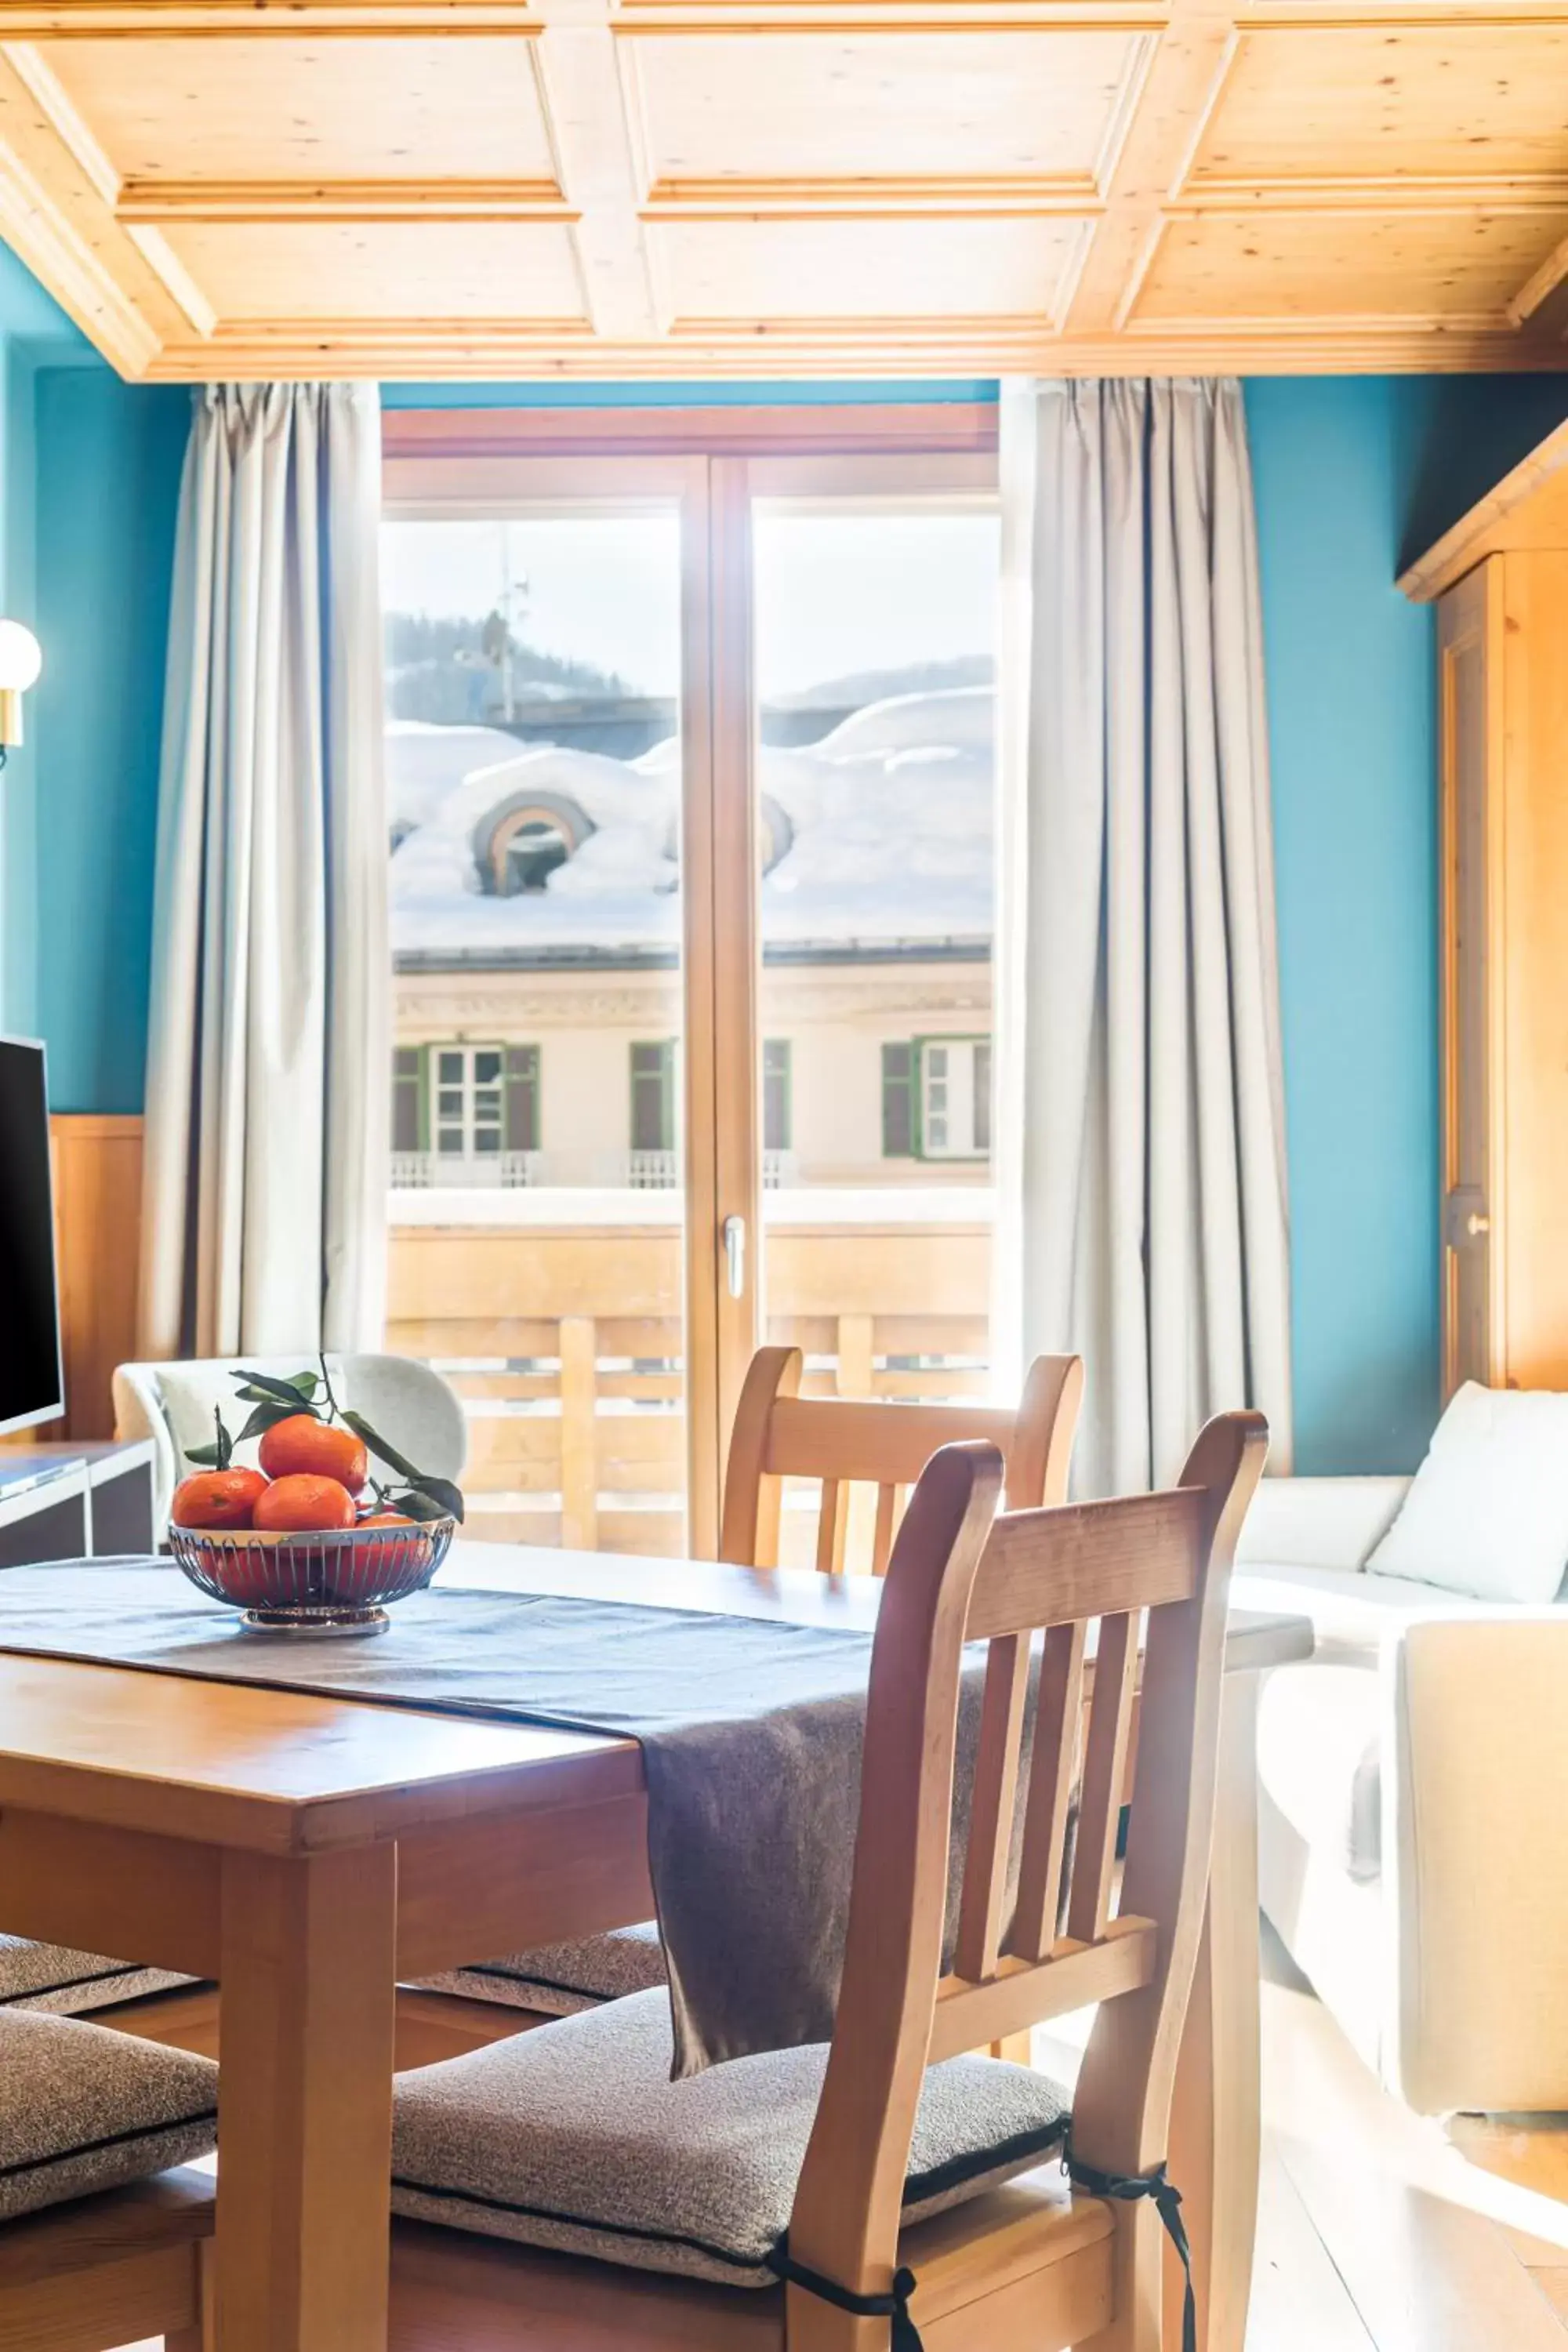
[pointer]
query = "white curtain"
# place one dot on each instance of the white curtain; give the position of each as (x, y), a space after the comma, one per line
(1142, 1216)
(267, 1082)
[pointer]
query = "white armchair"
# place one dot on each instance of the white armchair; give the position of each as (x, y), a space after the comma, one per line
(407, 1401)
(1411, 1853)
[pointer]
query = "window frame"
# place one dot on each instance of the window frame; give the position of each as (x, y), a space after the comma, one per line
(784, 1075)
(665, 1075)
(710, 463)
(919, 1045)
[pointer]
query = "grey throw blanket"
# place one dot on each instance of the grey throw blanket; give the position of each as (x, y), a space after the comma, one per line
(751, 1730)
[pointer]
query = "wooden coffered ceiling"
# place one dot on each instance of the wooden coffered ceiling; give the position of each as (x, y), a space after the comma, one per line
(219, 188)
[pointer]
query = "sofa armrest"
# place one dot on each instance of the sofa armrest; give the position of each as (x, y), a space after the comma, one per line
(1318, 1522)
(1476, 1755)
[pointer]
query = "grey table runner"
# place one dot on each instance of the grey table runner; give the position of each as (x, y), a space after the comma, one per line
(751, 1730)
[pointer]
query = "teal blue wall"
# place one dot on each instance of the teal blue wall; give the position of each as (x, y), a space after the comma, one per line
(1353, 477)
(108, 459)
(1349, 673)
(33, 333)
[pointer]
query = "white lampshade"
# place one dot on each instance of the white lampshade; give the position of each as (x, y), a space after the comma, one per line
(21, 658)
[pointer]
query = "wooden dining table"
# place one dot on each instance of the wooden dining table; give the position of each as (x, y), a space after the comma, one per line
(310, 1852)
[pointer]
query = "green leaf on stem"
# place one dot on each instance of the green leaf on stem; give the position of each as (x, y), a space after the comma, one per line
(446, 1498)
(218, 1455)
(253, 1386)
(266, 1417)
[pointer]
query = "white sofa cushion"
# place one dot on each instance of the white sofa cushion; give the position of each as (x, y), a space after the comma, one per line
(1487, 1514)
(1318, 1522)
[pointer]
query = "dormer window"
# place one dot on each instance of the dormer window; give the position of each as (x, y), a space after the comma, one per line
(532, 855)
(520, 843)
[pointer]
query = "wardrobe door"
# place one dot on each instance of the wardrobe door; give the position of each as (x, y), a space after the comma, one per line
(1530, 974)
(1472, 724)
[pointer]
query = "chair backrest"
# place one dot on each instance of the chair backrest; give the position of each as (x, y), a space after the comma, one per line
(960, 1574)
(779, 1435)
(409, 1403)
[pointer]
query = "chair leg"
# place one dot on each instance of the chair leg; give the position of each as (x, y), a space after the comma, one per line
(1138, 2265)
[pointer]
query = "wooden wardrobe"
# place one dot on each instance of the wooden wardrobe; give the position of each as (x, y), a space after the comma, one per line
(1500, 584)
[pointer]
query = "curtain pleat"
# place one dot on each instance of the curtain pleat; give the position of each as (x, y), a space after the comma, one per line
(1142, 1215)
(267, 1120)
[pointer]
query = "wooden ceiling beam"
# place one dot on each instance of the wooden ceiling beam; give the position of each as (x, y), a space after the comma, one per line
(54, 212)
(591, 135)
(1539, 298)
(1179, 86)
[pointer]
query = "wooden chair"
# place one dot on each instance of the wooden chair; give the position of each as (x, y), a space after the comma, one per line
(101, 2241)
(1028, 2267)
(779, 1435)
(111, 2271)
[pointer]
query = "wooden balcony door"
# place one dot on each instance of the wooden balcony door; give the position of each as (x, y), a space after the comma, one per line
(618, 1063)
(856, 602)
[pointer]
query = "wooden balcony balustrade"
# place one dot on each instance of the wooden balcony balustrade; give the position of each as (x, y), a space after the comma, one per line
(565, 1344)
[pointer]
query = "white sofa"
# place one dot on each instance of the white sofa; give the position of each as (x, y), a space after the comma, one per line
(1412, 1782)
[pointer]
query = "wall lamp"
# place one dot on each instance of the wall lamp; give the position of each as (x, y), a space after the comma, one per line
(21, 660)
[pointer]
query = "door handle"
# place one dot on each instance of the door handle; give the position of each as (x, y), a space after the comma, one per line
(1466, 1218)
(735, 1254)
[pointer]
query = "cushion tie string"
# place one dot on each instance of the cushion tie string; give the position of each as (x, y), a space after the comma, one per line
(905, 2335)
(1127, 2188)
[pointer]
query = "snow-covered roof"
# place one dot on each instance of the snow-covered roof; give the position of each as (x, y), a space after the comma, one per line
(882, 838)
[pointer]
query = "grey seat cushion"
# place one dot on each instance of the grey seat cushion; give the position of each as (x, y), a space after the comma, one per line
(82, 2108)
(49, 1977)
(574, 2137)
(558, 1979)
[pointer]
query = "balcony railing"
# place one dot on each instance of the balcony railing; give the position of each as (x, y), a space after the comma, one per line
(422, 1172)
(565, 1341)
(633, 1171)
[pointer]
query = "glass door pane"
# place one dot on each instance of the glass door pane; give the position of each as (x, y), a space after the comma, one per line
(534, 675)
(873, 718)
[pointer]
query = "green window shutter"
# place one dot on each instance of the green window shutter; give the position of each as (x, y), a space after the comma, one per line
(898, 1102)
(522, 1120)
(778, 1103)
(409, 1124)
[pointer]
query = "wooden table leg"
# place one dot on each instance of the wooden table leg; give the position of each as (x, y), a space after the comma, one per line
(1216, 2123)
(307, 1972)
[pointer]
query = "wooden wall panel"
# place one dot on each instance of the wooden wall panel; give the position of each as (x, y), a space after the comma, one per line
(98, 1219)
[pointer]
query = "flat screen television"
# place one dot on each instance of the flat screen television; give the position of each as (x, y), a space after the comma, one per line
(32, 1382)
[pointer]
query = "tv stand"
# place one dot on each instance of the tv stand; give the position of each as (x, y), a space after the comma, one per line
(72, 1501)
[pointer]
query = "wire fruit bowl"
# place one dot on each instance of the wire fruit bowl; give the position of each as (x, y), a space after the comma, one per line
(334, 1582)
